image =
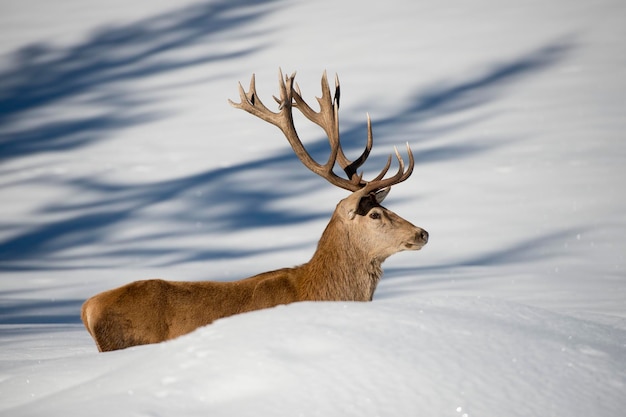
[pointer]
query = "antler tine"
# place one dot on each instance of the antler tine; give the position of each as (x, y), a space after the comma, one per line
(379, 183)
(251, 89)
(251, 103)
(325, 117)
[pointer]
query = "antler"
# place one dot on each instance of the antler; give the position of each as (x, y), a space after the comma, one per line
(327, 118)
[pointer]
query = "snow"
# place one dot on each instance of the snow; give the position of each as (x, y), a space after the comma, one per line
(120, 159)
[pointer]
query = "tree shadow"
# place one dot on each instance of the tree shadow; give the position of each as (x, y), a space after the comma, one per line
(40, 76)
(241, 205)
(40, 312)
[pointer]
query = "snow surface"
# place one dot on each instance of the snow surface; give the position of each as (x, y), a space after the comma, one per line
(120, 159)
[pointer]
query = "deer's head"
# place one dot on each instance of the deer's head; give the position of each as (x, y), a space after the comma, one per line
(372, 227)
(378, 230)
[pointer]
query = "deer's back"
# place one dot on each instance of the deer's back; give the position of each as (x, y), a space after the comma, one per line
(155, 310)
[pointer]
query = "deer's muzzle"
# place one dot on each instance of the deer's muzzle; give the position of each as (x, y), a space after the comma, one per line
(419, 240)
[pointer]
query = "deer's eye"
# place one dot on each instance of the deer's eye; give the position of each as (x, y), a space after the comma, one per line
(375, 215)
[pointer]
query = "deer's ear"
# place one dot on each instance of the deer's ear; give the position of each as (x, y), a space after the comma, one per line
(381, 194)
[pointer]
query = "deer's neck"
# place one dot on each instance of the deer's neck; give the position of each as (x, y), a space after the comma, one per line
(341, 269)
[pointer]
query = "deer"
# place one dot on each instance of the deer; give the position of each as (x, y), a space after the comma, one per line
(346, 266)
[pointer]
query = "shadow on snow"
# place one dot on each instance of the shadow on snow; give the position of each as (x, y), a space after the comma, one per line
(96, 70)
(40, 76)
(240, 205)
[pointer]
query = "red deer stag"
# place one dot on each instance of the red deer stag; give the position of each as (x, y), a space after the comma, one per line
(346, 266)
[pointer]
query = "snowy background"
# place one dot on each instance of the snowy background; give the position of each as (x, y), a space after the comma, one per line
(120, 159)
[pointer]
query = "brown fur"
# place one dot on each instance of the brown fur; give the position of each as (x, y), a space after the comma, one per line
(345, 267)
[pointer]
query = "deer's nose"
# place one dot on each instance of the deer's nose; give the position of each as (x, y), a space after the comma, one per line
(423, 234)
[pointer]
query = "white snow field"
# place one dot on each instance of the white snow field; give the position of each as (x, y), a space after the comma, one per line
(120, 159)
